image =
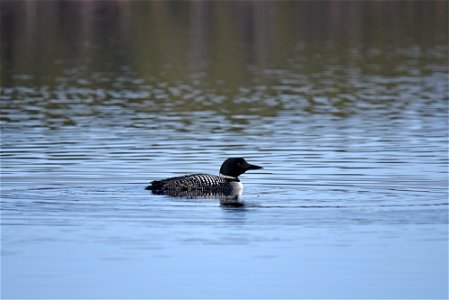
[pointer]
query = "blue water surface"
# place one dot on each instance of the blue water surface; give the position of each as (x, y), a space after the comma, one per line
(347, 113)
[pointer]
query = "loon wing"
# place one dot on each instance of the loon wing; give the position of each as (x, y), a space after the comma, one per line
(187, 182)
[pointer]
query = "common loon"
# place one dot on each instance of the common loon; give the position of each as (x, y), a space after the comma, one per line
(227, 184)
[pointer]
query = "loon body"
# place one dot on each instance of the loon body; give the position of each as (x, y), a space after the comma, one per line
(227, 184)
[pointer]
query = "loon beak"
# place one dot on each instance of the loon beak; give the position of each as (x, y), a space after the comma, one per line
(253, 167)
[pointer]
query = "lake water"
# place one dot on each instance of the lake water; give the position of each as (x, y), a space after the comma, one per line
(345, 105)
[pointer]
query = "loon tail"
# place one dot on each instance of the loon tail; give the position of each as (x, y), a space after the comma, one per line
(155, 185)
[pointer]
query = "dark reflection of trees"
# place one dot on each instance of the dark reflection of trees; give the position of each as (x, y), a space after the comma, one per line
(223, 50)
(224, 36)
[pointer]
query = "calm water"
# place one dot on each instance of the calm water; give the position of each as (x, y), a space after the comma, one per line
(344, 104)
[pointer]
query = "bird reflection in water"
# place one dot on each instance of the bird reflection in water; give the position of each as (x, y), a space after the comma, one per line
(228, 200)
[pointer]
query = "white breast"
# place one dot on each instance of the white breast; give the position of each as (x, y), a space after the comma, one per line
(237, 188)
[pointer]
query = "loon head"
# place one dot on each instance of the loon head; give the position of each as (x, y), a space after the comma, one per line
(236, 166)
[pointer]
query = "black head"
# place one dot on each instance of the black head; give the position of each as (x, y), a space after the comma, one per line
(236, 166)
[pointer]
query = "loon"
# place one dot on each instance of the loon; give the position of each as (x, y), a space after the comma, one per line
(227, 184)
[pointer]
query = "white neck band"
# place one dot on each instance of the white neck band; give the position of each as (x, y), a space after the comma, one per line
(227, 177)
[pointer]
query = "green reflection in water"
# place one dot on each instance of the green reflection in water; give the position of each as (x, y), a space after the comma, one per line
(66, 59)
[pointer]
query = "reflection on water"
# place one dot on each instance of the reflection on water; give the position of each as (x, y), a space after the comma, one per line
(343, 103)
(119, 61)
